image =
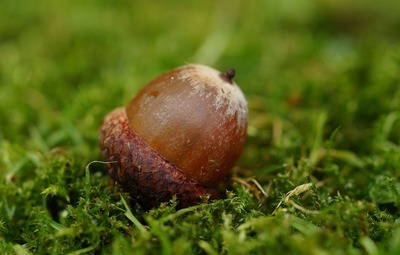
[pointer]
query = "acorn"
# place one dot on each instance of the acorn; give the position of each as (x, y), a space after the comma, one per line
(180, 135)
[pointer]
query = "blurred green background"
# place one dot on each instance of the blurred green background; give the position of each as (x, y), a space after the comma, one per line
(318, 75)
(64, 64)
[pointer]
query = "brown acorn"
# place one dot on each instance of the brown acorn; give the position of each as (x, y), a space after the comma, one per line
(180, 135)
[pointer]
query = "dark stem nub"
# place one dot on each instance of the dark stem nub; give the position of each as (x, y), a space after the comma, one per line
(230, 73)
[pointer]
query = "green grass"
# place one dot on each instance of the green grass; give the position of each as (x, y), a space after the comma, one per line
(320, 173)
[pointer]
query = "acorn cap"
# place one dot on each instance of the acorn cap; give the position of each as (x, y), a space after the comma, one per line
(140, 170)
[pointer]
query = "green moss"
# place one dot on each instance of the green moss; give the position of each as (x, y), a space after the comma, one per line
(320, 170)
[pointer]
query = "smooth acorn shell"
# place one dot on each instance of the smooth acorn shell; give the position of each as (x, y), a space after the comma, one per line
(196, 118)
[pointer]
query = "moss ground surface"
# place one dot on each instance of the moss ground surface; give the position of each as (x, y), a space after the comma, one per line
(320, 173)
